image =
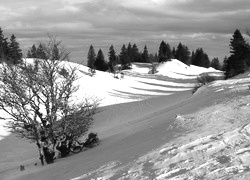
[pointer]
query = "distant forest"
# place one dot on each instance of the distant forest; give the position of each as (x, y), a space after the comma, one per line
(131, 53)
(238, 61)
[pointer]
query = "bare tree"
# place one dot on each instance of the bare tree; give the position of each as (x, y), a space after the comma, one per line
(37, 96)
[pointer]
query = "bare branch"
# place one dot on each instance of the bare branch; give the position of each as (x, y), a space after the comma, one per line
(37, 96)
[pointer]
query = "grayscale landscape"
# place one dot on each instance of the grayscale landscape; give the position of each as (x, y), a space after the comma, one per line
(124, 90)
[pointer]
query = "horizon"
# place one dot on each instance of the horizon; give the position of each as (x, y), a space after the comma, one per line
(203, 24)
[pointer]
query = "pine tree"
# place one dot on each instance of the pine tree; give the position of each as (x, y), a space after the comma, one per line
(192, 57)
(41, 52)
(200, 58)
(164, 52)
(3, 47)
(168, 52)
(136, 54)
(182, 53)
(33, 51)
(215, 63)
(124, 58)
(155, 57)
(130, 53)
(15, 53)
(112, 58)
(151, 58)
(237, 62)
(224, 65)
(29, 54)
(145, 56)
(248, 51)
(91, 57)
(174, 53)
(100, 63)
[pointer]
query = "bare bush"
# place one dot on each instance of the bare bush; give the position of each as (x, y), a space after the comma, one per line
(203, 79)
(37, 96)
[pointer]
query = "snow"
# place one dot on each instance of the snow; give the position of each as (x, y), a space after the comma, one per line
(109, 90)
(179, 70)
(143, 134)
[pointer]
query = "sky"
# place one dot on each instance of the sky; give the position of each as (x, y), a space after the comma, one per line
(208, 24)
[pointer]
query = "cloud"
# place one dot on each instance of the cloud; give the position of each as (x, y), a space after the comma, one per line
(80, 23)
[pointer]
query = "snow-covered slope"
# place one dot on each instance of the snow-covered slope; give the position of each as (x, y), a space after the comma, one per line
(214, 142)
(179, 70)
(132, 106)
(136, 85)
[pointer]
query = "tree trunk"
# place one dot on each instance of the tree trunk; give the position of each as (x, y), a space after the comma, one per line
(40, 153)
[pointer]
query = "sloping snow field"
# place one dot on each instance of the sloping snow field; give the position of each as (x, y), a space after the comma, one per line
(136, 85)
(151, 127)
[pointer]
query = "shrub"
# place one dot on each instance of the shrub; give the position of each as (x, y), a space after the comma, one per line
(196, 87)
(92, 140)
(153, 69)
(126, 67)
(203, 79)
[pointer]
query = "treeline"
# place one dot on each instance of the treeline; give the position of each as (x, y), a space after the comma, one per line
(10, 51)
(40, 52)
(238, 61)
(130, 53)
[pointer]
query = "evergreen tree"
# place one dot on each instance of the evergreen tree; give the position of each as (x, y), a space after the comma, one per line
(192, 57)
(183, 54)
(130, 53)
(215, 64)
(200, 58)
(145, 56)
(41, 52)
(168, 52)
(155, 57)
(100, 63)
(136, 54)
(124, 57)
(112, 58)
(174, 53)
(248, 51)
(224, 64)
(91, 57)
(164, 52)
(33, 51)
(3, 47)
(29, 54)
(237, 62)
(15, 53)
(151, 58)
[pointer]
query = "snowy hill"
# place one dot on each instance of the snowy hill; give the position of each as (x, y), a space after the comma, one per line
(137, 115)
(214, 142)
(179, 70)
(137, 84)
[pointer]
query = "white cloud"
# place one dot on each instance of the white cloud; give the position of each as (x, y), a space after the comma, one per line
(7, 13)
(69, 8)
(75, 1)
